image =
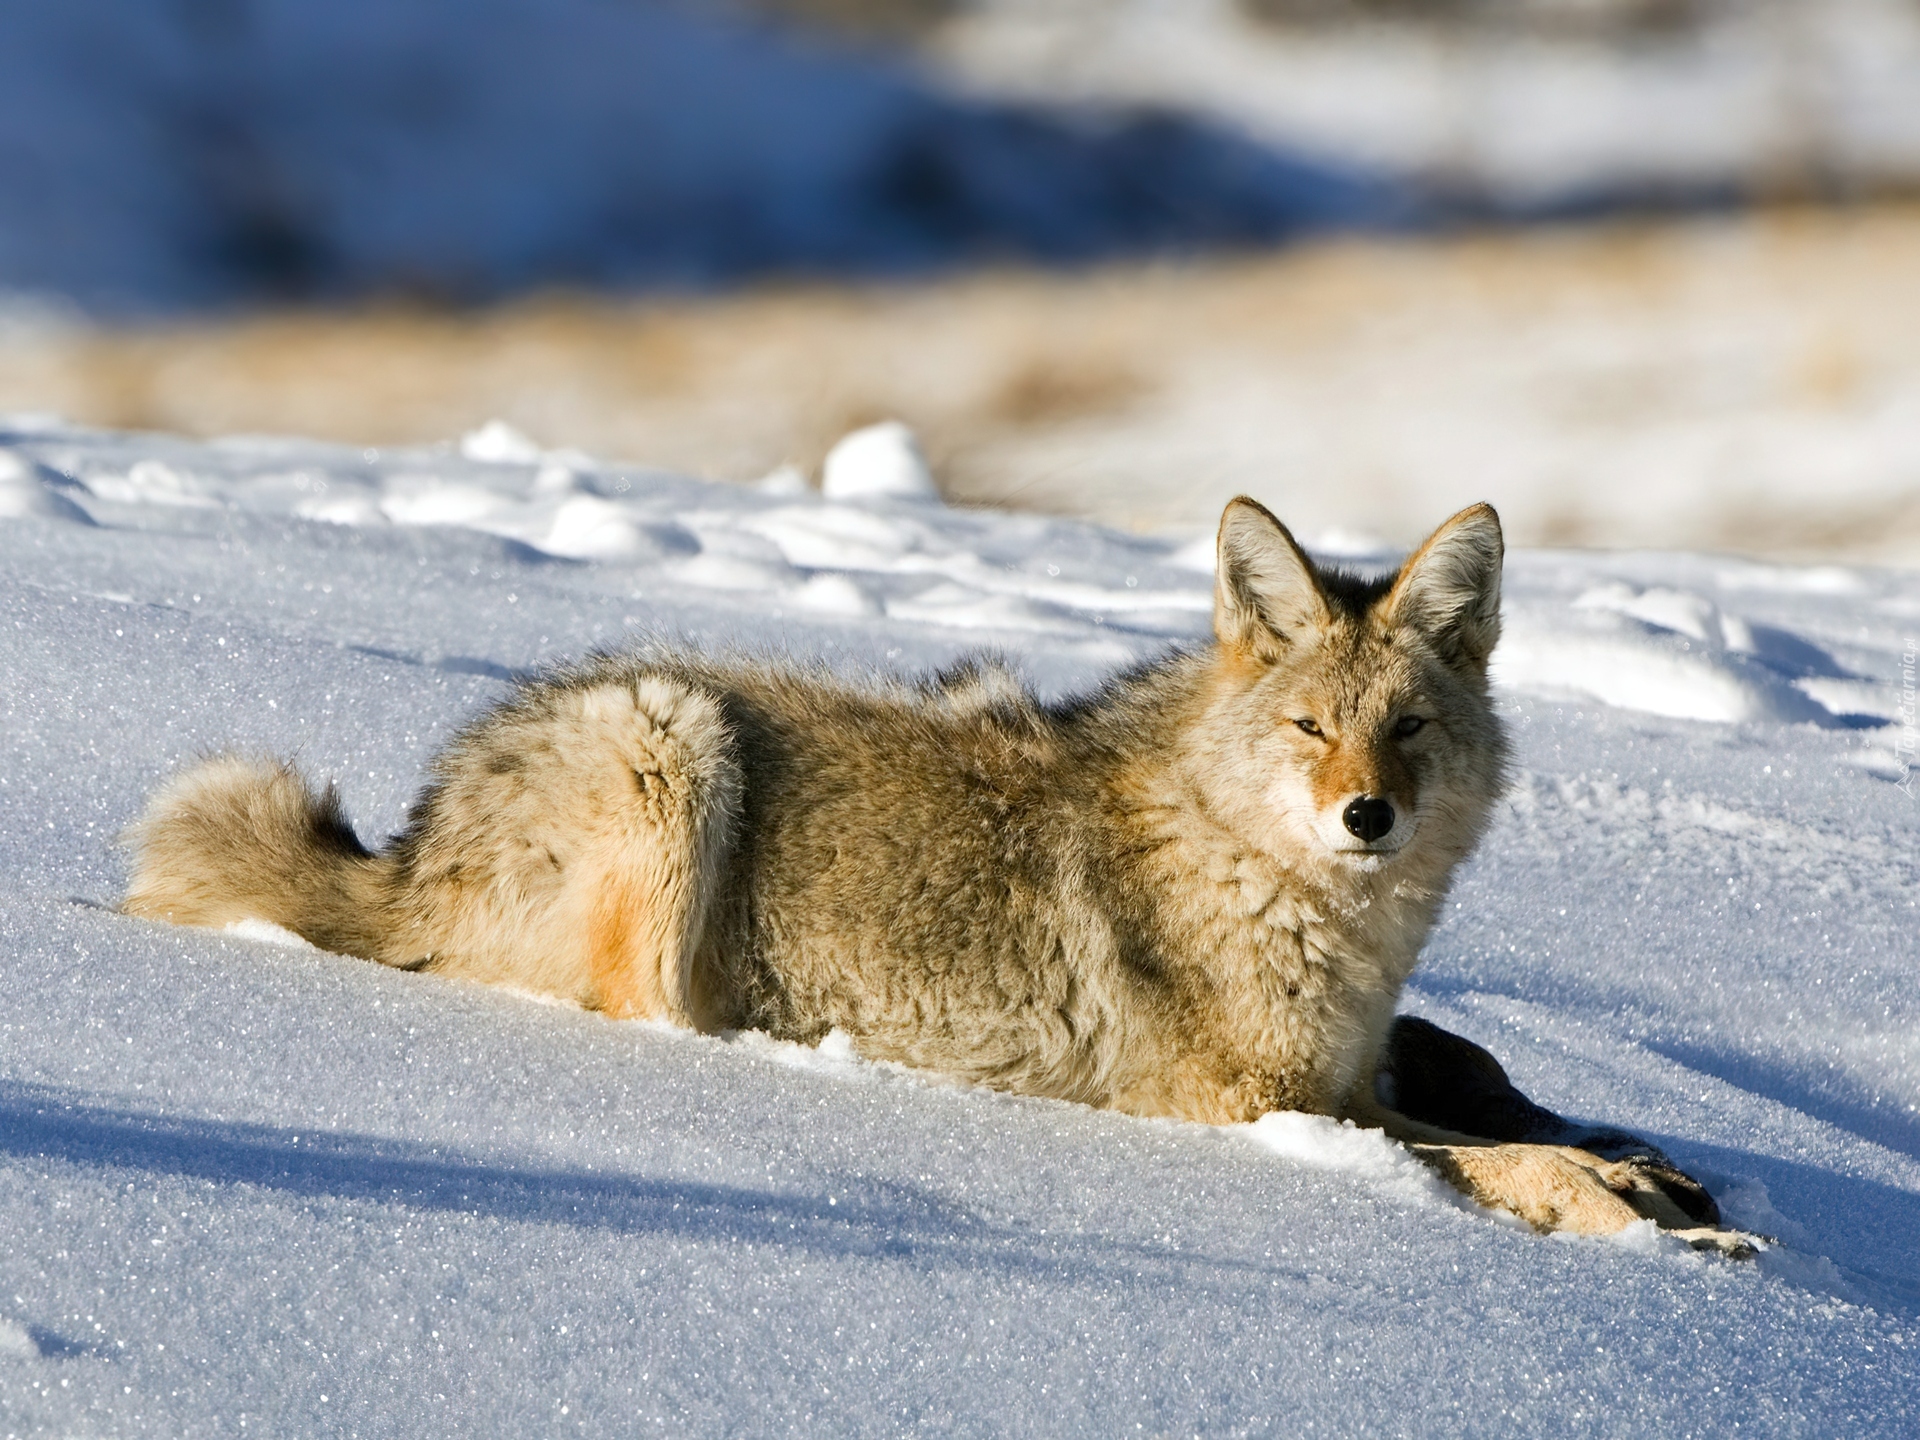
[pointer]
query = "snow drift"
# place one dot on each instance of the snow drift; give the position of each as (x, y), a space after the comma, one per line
(249, 1187)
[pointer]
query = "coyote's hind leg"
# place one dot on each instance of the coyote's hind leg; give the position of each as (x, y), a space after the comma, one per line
(576, 842)
(662, 858)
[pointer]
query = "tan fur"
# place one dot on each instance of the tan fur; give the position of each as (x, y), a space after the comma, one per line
(1154, 898)
(237, 839)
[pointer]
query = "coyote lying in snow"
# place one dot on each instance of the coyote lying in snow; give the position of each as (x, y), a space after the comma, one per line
(1196, 893)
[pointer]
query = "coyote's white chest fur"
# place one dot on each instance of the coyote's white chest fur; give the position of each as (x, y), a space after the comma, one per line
(1307, 959)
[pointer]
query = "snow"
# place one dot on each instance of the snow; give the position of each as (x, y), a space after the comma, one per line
(1497, 99)
(172, 157)
(251, 1187)
(878, 461)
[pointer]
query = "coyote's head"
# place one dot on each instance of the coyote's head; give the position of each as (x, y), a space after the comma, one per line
(1349, 718)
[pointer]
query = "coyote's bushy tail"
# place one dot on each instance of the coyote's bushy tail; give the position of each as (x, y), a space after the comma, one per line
(246, 839)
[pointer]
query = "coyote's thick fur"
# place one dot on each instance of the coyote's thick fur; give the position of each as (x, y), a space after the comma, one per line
(1196, 893)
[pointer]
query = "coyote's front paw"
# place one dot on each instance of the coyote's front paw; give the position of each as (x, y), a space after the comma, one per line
(1556, 1187)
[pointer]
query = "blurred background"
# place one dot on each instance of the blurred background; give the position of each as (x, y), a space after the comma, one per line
(1642, 272)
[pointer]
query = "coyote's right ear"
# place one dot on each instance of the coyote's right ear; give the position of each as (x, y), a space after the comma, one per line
(1265, 595)
(1450, 587)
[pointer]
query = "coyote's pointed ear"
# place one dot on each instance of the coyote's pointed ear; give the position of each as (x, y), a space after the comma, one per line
(1265, 596)
(1449, 589)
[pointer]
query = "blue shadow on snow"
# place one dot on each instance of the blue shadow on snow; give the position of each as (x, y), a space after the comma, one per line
(890, 1220)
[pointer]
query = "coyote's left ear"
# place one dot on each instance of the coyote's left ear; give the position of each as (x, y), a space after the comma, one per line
(1266, 597)
(1449, 589)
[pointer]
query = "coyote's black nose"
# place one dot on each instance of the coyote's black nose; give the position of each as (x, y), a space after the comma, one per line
(1369, 818)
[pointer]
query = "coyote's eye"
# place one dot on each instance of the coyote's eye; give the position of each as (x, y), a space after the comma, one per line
(1310, 726)
(1408, 725)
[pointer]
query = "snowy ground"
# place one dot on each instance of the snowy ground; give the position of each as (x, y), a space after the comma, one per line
(247, 1188)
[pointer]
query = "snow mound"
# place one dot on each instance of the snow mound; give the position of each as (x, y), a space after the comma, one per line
(267, 933)
(1667, 652)
(24, 492)
(17, 1342)
(882, 460)
(1341, 1147)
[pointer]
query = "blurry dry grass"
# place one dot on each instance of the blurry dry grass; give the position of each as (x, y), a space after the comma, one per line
(1741, 383)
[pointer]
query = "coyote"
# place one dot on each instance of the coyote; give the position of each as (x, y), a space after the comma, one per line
(1196, 893)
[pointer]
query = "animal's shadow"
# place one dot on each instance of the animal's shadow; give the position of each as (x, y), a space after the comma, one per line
(1879, 1243)
(871, 1218)
(1868, 1228)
